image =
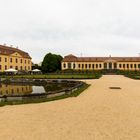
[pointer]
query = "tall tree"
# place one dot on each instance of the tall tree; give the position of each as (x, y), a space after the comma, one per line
(51, 62)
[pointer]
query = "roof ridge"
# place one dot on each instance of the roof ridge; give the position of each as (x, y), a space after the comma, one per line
(11, 50)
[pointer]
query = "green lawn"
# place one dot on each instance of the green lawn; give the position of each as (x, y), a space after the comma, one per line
(137, 77)
(59, 76)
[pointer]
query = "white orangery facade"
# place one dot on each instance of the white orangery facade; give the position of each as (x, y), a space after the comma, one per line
(100, 63)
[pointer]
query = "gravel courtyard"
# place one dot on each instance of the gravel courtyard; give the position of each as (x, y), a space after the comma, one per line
(99, 113)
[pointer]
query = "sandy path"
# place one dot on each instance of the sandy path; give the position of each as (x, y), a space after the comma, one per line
(97, 114)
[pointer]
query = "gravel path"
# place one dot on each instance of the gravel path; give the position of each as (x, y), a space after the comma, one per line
(99, 113)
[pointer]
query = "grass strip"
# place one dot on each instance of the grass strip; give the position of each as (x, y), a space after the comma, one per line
(57, 76)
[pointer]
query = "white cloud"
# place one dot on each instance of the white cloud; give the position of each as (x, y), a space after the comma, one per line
(90, 27)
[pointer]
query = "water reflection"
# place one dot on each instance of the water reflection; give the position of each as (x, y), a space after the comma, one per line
(20, 89)
(35, 90)
(38, 89)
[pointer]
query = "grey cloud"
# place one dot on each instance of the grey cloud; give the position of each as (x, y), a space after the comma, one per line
(90, 27)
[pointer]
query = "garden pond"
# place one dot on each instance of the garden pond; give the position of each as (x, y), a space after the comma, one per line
(26, 89)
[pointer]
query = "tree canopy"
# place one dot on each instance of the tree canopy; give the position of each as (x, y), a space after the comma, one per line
(36, 66)
(51, 62)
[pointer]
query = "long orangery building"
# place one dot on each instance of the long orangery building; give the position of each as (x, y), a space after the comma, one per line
(100, 63)
(15, 58)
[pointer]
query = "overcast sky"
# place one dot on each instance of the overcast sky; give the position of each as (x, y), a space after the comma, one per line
(79, 27)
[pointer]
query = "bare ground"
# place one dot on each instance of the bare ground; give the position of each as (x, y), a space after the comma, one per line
(99, 113)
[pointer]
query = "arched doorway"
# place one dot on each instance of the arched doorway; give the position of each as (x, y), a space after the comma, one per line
(105, 65)
(110, 65)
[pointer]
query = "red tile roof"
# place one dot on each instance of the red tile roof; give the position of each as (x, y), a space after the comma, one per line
(5, 50)
(72, 58)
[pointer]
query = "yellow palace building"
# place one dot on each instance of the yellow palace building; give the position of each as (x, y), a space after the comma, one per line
(100, 63)
(15, 58)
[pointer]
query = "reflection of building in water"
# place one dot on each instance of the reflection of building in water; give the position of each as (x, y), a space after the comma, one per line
(15, 89)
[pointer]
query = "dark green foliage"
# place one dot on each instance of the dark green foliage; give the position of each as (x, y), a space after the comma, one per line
(60, 76)
(51, 63)
(36, 66)
(2, 73)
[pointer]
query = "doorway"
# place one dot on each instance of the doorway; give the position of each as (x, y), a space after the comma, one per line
(110, 65)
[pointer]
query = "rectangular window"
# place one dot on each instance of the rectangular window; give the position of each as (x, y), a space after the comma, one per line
(128, 66)
(17, 90)
(89, 66)
(12, 91)
(0, 59)
(69, 65)
(64, 65)
(79, 66)
(74, 66)
(5, 67)
(0, 67)
(86, 66)
(11, 60)
(124, 66)
(5, 59)
(139, 66)
(93, 66)
(105, 65)
(16, 60)
(135, 66)
(131, 65)
(82, 66)
(100, 65)
(115, 65)
(96, 65)
(120, 65)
